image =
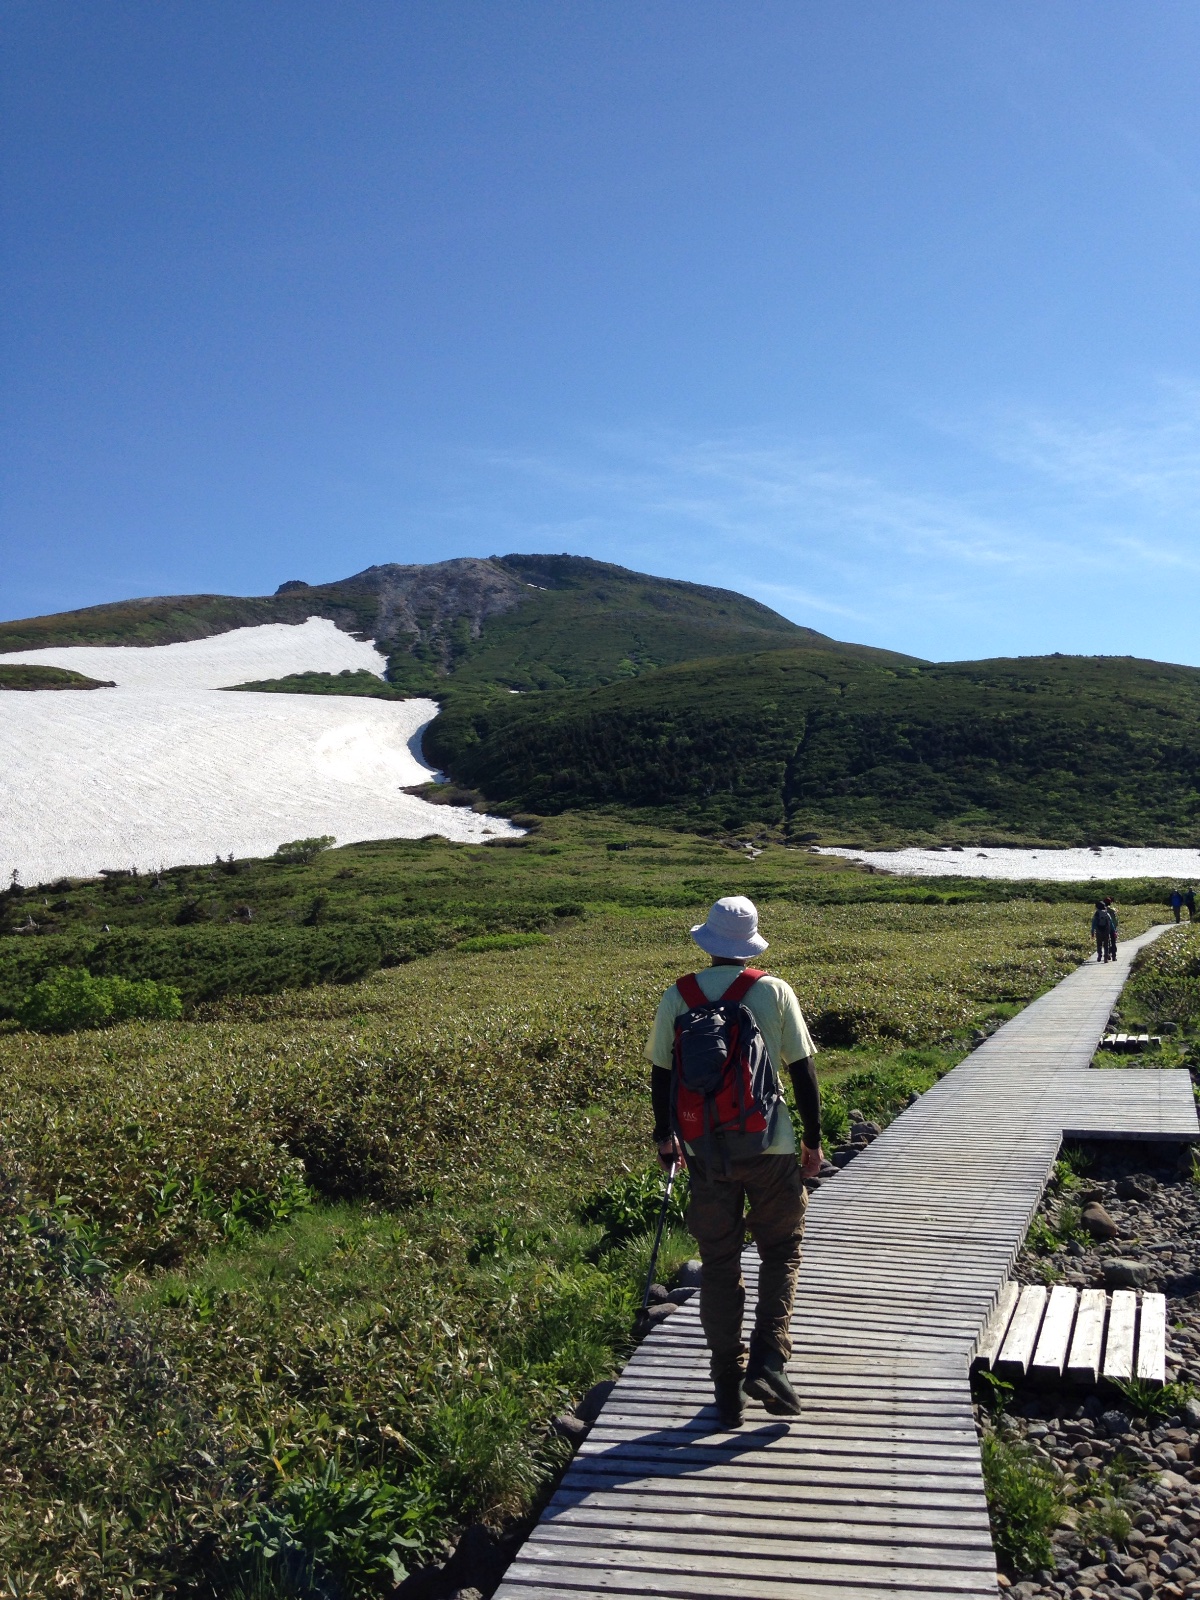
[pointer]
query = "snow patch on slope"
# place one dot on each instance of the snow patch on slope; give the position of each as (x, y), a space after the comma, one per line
(165, 769)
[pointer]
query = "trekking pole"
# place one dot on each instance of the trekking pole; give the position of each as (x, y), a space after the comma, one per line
(662, 1217)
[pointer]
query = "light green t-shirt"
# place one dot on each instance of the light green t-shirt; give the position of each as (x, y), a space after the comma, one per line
(780, 1021)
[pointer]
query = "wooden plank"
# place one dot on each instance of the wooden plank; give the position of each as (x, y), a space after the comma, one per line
(996, 1327)
(1017, 1350)
(1118, 1342)
(1087, 1341)
(1152, 1340)
(1050, 1353)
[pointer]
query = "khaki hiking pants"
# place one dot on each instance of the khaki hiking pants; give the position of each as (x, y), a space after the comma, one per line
(716, 1217)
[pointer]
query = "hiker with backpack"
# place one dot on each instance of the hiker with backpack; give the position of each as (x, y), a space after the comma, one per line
(1176, 903)
(718, 1041)
(1101, 930)
(1189, 900)
(1110, 907)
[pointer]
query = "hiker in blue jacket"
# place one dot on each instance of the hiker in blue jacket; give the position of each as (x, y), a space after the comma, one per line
(1176, 903)
(718, 1039)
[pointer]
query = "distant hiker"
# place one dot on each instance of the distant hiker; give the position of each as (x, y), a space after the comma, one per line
(1189, 900)
(1101, 930)
(717, 1043)
(1112, 932)
(1176, 903)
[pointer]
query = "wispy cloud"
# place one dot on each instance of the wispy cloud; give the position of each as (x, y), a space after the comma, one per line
(1018, 529)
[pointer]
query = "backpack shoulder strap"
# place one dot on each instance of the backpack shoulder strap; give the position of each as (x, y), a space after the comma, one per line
(742, 985)
(692, 994)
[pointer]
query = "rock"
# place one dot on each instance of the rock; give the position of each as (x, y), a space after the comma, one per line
(658, 1293)
(467, 1594)
(568, 1427)
(424, 1584)
(1116, 1422)
(689, 1275)
(843, 1155)
(477, 1563)
(590, 1406)
(1098, 1222)
(1191, 1412)
(660, 1312)
(867, 1131)
(680, 1297)
(1121, 1273)
(857, 1116)
(1138, 1186)
(1172, 1480)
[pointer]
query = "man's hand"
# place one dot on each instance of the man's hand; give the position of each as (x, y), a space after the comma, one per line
(669, 1153)
(810, 1161)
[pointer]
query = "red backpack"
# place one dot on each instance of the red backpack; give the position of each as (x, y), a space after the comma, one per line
(724, 1088)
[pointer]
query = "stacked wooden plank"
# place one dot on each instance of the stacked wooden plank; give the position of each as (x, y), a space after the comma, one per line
(1129, 1042)
(877, 1491)
(1049, 1334)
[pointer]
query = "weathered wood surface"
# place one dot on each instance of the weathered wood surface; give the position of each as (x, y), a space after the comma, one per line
(877, 1490)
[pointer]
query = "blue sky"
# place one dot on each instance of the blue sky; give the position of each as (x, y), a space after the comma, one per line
(885, 314)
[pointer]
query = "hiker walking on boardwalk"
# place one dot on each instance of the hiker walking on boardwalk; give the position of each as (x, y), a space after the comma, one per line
(1101, 930)
(1176, 903)
(1112, 927)
(718, 1041)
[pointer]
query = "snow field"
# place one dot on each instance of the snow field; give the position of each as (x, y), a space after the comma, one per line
(1059, 866)
(165, 769)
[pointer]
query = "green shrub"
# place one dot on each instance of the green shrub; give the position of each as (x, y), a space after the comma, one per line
(835, 1119)
(1151, 1400)
(632, 1205)
(500, 941)
(299, 852)
(71, 998)
(208, 962)
(1106, 1521)
(356, 1533)
(1026, 1499)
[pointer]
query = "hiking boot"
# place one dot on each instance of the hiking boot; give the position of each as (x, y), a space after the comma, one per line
(767, 1380)
(731, 1402)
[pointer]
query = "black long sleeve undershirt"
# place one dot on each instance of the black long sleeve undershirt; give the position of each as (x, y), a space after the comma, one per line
(804, 1086)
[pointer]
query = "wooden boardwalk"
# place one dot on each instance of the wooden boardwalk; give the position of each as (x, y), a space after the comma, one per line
(877, 1489)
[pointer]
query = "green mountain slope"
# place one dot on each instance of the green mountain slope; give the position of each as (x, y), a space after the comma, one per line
(836, 745)
(512, 622)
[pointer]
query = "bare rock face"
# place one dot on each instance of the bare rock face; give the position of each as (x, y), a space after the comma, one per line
(425, 600)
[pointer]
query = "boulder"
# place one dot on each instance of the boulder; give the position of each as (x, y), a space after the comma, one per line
(1098, 1222)
(571, 1428)
(1122, 1274)
(689, 1275)
(1138, 1186)
(658, 1293)
(590, 1406)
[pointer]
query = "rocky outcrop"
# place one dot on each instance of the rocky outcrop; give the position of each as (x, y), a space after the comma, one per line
(426, 601)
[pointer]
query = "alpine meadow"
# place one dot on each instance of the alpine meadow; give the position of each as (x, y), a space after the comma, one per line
(327, 1190)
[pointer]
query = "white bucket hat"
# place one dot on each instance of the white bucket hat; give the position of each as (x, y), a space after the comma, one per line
(731, 929)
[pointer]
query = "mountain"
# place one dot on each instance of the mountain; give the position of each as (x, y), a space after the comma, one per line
(835, 745)
(704, 708)
(514, 622)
